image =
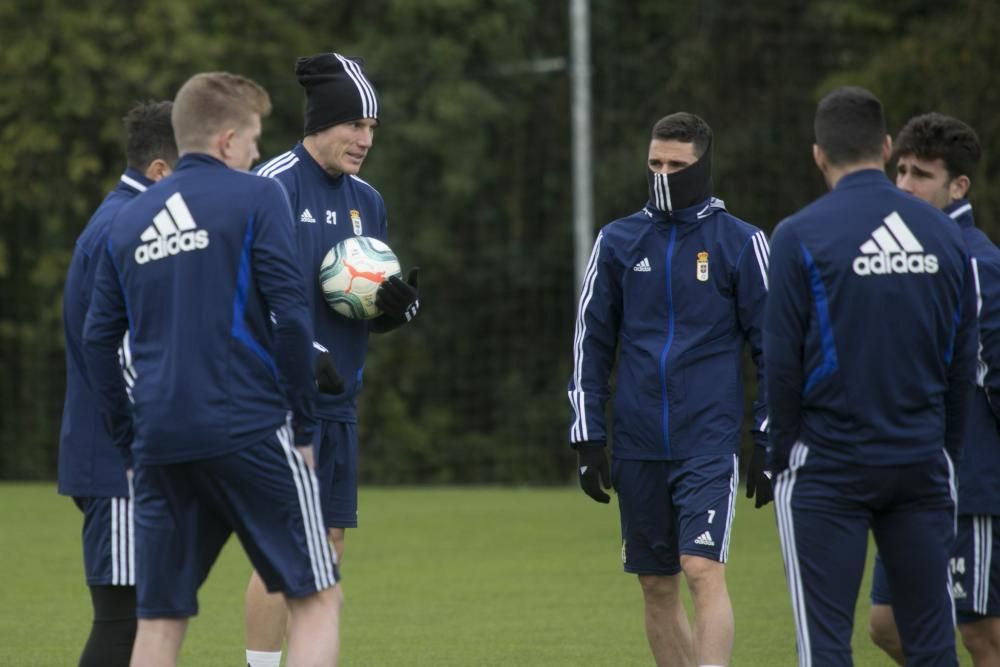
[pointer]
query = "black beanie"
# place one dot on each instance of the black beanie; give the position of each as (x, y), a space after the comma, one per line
(337, 91)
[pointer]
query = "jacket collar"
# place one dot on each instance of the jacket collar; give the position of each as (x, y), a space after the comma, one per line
(862, 177)
(691, 214)
(134, 180)
(314, 167)
(961, 212)
(189, 160)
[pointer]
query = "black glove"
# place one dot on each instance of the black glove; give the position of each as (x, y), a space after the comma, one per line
(758, 480)
(398, 299)
(325, 372)
(593, 470)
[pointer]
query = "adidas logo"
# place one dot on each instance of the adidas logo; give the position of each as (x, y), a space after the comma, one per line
(893, 249)
(173, 231)
(705, 539)
(957, 592)
(643, 265)
(306, 216)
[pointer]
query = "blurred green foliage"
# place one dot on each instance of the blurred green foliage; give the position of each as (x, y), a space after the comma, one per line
(473, 156)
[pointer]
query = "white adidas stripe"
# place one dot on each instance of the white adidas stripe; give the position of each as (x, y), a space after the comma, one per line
(122, 541)
(283, 168)
(892, 237)
(180, 212)
(132, 183)
(734, 485)
(952, 489)
(784, 485)
(321, 558)
(958, 212)
(661, 192)
(273, 163)
(886, 241)
(982, 368)
(163, 223)
(982, 531)
(369, 104)
(173, 219)
(763, 252)
(131, 533)
(578, 431)
(364, 182)
(115, 539)
(902, 233)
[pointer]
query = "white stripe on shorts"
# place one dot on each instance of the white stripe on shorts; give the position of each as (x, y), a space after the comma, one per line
(982, 532)
(122, 542)
(321, 558)
(734, 485)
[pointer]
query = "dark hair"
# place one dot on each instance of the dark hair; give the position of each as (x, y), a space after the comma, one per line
(685, 127)
(934, 135)
(149, 134)
(850, 126)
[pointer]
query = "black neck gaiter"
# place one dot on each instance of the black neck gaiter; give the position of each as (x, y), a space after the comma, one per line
(684, 188)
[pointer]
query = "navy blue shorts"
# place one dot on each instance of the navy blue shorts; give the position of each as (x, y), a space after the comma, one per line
(825, 510)
(337, 470)
(975, 574)
(185, 513)
(108, 540)
(670, 508)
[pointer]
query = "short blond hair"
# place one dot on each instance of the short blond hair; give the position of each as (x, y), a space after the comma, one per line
(210, 102)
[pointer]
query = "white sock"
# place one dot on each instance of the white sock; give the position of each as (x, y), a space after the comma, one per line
(263, 658)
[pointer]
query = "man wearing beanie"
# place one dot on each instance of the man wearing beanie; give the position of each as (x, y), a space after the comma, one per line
(329, 204)
(677, 289)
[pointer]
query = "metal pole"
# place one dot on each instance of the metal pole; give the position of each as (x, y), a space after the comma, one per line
(583, 182)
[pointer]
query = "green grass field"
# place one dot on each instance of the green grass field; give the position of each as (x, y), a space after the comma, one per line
(438, 577)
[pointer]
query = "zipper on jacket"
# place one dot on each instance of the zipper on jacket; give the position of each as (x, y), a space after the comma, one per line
(665, 424)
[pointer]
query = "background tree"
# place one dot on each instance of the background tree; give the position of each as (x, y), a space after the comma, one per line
(473, 157)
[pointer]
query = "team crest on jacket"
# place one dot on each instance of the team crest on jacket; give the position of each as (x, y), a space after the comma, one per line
(356, 221)
(702, 271)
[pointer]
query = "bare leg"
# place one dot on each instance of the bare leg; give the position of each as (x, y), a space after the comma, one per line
(266, 617)
(667, 628)
(982, 638)
(884, 633)
(713, 630)
(314, 629)
(158, 642)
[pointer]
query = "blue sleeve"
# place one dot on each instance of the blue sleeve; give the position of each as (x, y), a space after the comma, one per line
(987, 281)
(962, 369)
(282, 285)
(105, 325)
(785, 319)
(751, 299)
(594, 344)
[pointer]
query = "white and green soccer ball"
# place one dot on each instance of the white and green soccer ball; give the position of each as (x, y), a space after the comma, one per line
(351, 273)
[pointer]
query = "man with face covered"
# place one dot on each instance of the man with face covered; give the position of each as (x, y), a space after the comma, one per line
(677, 289)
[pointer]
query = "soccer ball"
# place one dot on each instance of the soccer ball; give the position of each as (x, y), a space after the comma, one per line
(351, 273)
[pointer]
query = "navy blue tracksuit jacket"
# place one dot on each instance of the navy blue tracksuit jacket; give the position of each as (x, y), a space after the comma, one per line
(676, 295)
(979, 471)
(327, 210)
(192, 268)
(870, 333)
(89, 463)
